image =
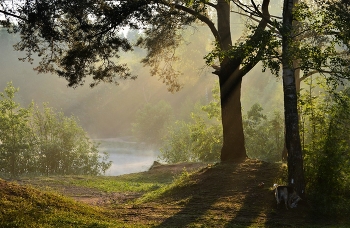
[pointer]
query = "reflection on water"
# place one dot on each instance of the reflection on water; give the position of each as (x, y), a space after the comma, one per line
(127, 157)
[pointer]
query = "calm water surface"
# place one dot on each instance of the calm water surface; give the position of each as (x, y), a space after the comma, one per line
(127, 157)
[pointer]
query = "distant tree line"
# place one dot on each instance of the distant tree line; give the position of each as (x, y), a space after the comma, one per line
(44, 142)
(199, 137)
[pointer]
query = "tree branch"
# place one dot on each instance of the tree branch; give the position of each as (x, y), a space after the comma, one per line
(245, 8)
(262, 25)
(315, 72)
(13, 15)
(202, 18)
(211, 4)
(255, 19)
(262, 14)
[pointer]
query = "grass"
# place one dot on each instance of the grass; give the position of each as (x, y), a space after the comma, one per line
(136, 182)
(178, 181)
(23, 206)
(223, 195)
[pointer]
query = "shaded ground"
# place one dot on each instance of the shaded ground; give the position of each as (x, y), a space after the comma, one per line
(224, 195)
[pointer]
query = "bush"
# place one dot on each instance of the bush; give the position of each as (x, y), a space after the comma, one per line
(44, 142)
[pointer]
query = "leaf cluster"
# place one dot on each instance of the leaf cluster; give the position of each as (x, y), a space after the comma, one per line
(77, 39)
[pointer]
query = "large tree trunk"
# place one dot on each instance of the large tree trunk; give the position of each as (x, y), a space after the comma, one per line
(230, 78)
(295, 158)
(233, 149)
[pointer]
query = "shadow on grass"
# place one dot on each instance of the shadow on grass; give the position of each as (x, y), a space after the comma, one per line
(227, 195)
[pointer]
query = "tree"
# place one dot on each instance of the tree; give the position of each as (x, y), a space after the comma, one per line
(313, 43)
(14, 132)
(201, 138)
(76, 39)
(295, 158)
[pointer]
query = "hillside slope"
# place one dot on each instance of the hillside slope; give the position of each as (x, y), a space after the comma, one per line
(24, 206)
(221, 195)
(224, 195)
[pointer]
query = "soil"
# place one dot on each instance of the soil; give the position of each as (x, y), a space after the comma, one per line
(222, 195)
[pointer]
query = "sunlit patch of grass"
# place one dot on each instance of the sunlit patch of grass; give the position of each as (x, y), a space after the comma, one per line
(181, 180)
(22, 206)
(137, 182)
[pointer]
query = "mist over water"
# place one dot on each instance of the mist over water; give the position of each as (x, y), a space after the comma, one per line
(127, 157)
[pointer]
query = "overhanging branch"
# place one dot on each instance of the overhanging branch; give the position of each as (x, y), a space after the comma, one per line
(202, 18)
(13, 15)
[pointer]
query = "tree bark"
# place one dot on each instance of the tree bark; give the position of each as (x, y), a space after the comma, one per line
(233, 149)
(295, 158)
(230, 79)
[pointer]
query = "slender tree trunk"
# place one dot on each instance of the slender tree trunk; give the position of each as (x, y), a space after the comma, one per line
(297, 88)
(233, 149)
(295, 158)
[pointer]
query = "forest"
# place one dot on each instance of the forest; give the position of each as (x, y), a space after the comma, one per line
(216, 81)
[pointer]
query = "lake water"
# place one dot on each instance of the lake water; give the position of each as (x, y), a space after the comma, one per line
(127, 157)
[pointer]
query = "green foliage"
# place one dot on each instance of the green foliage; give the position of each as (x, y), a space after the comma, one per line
(176, 146)
(151, 121)
(79, 39)
(325, 125)
(44, 142)
(200, 140)
(60, 137)
(264, 137)
(257, 45)
(206, 139)
(14, 134)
